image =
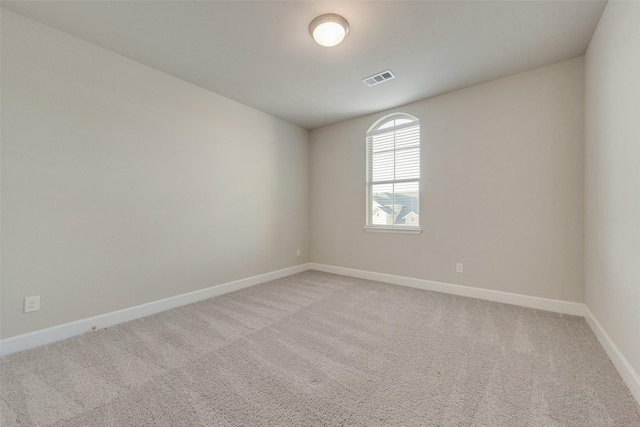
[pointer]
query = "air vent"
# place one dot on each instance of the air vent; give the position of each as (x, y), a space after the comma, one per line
(379, 78)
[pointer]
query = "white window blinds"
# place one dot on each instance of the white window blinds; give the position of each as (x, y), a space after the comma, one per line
(393, 173)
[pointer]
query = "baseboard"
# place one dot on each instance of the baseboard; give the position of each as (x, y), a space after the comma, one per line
(68, 330)
(628, 374)
(557, 306)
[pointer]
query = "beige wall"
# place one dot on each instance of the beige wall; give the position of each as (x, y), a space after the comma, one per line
(612, 171)
(123, 185)
(502, 188)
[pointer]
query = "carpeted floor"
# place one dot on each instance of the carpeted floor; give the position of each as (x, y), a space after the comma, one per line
(317, 349)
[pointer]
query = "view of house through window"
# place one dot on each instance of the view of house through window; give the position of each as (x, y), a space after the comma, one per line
(393, 173)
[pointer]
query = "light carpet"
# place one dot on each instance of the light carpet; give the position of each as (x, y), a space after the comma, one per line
(317, 349)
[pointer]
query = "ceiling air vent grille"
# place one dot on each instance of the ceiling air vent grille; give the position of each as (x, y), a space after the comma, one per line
(379, 78)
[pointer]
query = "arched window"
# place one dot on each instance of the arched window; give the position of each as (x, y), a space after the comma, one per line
(393, 174)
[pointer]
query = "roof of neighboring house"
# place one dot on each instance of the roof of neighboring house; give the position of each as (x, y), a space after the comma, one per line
(386, 209)
(406, 203)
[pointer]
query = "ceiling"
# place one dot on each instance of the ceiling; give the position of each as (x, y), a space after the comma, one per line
(260, 53)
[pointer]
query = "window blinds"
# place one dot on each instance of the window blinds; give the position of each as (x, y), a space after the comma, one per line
(393, 173)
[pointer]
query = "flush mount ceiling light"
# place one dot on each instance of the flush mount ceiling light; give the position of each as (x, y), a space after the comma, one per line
(329, 29)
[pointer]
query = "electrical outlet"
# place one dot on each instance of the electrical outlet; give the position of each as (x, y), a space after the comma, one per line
(459, 268)
(298, 252)
(32, 304)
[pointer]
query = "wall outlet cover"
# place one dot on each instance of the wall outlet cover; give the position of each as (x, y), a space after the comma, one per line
(32, 304)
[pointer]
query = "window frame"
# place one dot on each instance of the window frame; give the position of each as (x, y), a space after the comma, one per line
(375, 129)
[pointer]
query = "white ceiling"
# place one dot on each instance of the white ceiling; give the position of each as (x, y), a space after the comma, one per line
(260, 53)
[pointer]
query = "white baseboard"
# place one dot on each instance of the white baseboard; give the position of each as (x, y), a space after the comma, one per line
(628, 374)
(68, 330)
(557, 306)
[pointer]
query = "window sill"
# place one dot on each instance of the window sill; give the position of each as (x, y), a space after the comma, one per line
(393, 230)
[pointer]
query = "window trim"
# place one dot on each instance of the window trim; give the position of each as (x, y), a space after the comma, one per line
(402, 229)
(374, 130)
